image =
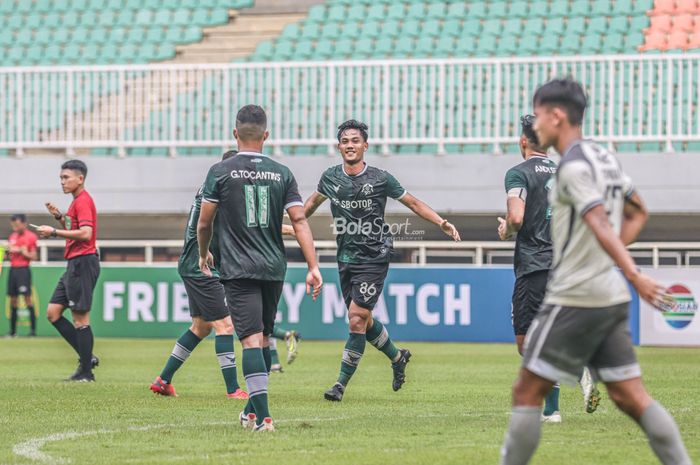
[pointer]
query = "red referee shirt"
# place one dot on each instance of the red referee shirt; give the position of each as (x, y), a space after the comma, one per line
(81, 212)
(26, 239)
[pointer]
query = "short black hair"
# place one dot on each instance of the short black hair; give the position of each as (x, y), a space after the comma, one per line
(353, 124)
(565, 93)
(526, 123)
(75, 165)
(19, 217)
(251, 122)
(229, 154)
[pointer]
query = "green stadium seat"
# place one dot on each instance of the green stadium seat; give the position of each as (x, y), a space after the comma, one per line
(23, 6)
(533, 26)
(291, 31)
(53, 53)
(528, 46)
(356, 13)
(425, 47)
(477, 9)
(633, 40)
(508, 45)
(493, 27)
(317, 14)
(52, 21)
(639, 22)
(72, 53)
(600, 8)
(549, 43)
(417, 11)
(555, 25)
(622, 7)
(384, 47)
(570, 44)
(519, 9)
(452, 27)
(591, 44)
(181, 17)
(411, 28)
(344, 48)
(161, 18)
(14, 21)
(457, 10)
(396, 11)
(336, 13)
(100, 35)
(325, 49)
(472, 27)
(364, 47)
(498, 9)
(90, 52)
(372, 29)
(6, 37)
(445, 46)
(613, 43)
(35, 53)
(486, 45)
(106, 18)
(597, 25)
(436, 11)
(376, 12)
(405, 47)
(334, 31)
(310, 31)
(642, 6)
(7, 7)
(466, 45)
(431, 28)
(618, 24)
(559, 9)
(576, 25)
(80, 35)
(24, 37)
(283, 50)
(513, 26)
(303, 51)
(580, 8)
(72, 19)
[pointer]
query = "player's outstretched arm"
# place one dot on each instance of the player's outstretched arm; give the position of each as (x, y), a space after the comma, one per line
(205, 231)
(651, 291)
(422, 209)
(634, 217)
(313, 202)
(514, 218)
(306, 243)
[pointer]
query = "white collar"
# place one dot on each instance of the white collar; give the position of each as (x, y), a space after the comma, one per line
(252, 154)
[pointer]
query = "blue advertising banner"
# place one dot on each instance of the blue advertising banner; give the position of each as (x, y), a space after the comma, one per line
(456, 304)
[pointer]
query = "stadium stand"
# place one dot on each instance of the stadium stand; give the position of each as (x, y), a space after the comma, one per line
(674, 26)
(104, 31)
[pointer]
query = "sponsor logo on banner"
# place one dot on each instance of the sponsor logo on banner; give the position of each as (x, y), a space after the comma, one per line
(684, 309)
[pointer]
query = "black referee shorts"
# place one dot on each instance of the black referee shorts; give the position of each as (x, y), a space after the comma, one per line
(528, 295)
(253, 305)
(75, 288)
(19, 282)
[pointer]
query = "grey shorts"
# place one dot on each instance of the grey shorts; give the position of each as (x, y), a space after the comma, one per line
(563, 340)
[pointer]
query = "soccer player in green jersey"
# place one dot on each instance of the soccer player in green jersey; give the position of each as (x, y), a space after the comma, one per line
(584, 320)
(208, 310)
(358, 194)
(249, 194)
(527, 187)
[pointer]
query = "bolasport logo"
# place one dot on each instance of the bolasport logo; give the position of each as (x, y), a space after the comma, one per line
(377, 228)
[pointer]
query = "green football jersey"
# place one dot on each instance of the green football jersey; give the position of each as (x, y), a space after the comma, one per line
(253, 192)
(188, 264)
(532, 180)
(357, 205)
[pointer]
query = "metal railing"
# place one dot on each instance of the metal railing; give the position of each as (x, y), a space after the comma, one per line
(421, 253)
(439, 102)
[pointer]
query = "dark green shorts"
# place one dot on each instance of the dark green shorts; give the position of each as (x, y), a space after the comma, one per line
(206, 298)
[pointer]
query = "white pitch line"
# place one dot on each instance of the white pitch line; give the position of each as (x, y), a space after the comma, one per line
(31, 449)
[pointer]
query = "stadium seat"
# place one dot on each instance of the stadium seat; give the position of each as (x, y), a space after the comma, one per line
(518, 9)
(576, 25)
(661, 23)
(619, 24)
(436, 11)
(534, 26)
(677, 40)
(396, 10)
(684, 22)
(664, 6)
(477, 9)
(654, 41)
(498, 9)
(457, 10)
(613, 43)
(452, 27)
(597, 25)
(600, 8)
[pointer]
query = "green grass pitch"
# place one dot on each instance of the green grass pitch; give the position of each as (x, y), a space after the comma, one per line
(453, 409)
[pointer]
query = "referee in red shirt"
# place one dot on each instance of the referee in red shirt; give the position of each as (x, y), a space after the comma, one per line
(22, 252)
(76, 286)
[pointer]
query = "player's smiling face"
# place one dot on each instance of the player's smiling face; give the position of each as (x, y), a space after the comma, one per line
(545, 125)
(71, 181)
(352, 146)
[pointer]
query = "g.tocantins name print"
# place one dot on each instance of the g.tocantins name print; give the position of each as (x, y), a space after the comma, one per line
(256, 175)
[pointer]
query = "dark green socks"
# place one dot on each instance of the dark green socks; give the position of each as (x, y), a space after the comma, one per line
(378, 336)
(227, 361)
(181, 352)
(279, 333)
(274, 356)
(255, 371)
(354, 348)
